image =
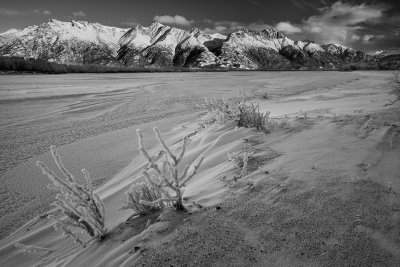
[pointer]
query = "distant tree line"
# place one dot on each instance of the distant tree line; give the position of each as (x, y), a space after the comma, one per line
(391, 62)
(22, 65)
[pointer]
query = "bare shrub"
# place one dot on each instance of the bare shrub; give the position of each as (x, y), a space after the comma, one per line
(242, 110)
(146, 192)
(252, 117)
(223, 110)
(162, 172)
(83, 208)
(242, 160)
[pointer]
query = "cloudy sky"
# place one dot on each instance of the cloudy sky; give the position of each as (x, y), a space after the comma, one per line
(367, 25)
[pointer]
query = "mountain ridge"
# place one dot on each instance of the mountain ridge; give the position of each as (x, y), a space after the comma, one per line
(158, 45)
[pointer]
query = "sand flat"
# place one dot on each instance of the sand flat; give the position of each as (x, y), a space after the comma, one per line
(311, 198)
(41, 110)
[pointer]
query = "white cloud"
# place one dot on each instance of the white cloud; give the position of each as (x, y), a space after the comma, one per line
(220, 28)
(355, 37)
(359, 24)
(347, 14)
(42, 12)
(366, 38)
(287, 27)
(340, 23)
(11, 12)
(177, 19)
(79, 13)
(369, 38)
(228, 26)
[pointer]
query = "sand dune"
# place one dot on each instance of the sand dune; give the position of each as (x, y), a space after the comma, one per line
(322, 187)
(110, 102)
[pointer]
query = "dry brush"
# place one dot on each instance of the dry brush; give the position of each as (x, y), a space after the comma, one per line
(83, 207)
(242, 110)
(163, 174)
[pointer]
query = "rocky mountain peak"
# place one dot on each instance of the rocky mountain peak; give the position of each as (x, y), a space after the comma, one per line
(158, 45)
(54, 21)
(74, 42)
(10, 31)
(273, 33)
(196, 32)
(206, 36)
(156, 25)
(247, 33)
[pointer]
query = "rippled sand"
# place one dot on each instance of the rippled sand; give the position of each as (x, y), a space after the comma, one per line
(95, 124)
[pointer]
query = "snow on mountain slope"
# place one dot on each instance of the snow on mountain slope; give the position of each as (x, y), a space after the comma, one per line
(213, 41)
(63, 42)
(138, 36)
(286, 41)
(159, 45)
(335, 48)
(347, 54)
(80, 42)
(204, 37)
(312, 48)
(249, 38)
(250, 49)
(10, 31)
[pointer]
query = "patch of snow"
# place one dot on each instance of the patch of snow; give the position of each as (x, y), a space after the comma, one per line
(10, 31)
(300, 44)
(245, 40)
(286, 42)
(312, 47)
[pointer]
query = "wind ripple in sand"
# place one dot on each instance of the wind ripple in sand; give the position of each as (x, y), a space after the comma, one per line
(91, 105)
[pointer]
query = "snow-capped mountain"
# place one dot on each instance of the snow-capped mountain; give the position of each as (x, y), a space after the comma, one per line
(213, 41)
(248, 49)
(160, 45)
(75, 42)
(79, 42)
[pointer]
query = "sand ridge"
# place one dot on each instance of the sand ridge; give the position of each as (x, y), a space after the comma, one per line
(108, 103)
(322, 189)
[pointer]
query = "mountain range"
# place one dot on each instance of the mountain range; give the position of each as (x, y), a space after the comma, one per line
(81, 42)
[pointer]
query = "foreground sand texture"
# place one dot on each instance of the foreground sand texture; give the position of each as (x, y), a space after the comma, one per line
(321, 190)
